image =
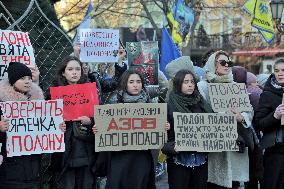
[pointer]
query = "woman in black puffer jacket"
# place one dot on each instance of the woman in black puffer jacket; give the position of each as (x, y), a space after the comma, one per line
(268, 120)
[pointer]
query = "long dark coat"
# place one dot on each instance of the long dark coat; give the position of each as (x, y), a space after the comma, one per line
(130, 169)
(79, 153)
(264, 120)
(273, 136)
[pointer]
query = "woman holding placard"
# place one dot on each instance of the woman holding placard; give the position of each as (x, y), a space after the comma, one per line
(132, 168)
(185, 169)
(267, 119)
(18, 172)
(224, 167)
(73, 167)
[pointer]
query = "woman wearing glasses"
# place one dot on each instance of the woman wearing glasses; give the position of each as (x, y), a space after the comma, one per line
(223, 167)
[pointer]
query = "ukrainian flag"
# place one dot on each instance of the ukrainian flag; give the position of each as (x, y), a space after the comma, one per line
(260, 12)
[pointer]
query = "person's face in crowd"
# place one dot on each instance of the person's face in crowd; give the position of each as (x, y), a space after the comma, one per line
(72, 72)
(279, 72)
(86, 68)
(134, 84)
(23, 84)
(103, 68)
(223, 65)
(188, 85)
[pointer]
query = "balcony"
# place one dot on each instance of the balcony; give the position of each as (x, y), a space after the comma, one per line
(231, 42)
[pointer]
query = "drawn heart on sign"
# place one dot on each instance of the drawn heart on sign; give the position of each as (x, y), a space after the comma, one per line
(115, 53)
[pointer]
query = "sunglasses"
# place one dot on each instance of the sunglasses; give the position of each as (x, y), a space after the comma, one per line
(224, 62)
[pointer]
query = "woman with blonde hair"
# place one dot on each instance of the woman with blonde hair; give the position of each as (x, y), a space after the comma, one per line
(224, 167)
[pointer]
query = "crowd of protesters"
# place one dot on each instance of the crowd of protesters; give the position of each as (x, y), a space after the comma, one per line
(258, 162)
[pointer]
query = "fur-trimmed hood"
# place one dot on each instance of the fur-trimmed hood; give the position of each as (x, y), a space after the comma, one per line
(8, 93)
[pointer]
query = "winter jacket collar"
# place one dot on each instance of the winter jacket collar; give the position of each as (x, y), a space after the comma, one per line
(271, 88)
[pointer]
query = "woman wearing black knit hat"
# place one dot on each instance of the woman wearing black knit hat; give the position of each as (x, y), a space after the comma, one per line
(20, 172)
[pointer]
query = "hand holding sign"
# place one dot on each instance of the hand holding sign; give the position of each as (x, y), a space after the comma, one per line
(62, 127)
(84, 120)
(35, 74)
(95, 129)
(279, 112)
(238, 115)
(167, 126)
(4, 124)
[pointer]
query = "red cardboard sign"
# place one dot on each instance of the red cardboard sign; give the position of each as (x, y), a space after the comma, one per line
(78, 100)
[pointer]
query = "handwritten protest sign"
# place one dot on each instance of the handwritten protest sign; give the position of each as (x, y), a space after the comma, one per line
(225, 96)
(78, 100)
(33, 127)
(99, 45)
(144, 57)
(15, 46)
(134, 126)
(206, 132)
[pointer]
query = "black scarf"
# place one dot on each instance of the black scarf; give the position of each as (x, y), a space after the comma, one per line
(275, 83)
(184, 103)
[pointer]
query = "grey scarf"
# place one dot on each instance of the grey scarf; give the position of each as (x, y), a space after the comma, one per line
(124, 97)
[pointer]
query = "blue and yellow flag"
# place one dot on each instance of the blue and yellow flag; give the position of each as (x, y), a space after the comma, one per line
(181, 18)
(169, 51)
(177, 37)
(260, 12)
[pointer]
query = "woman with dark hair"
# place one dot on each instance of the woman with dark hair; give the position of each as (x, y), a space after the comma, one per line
(74, 165)
(131, 168)
(125, 86)
(268, 120)
(185, 169)
(78, 76)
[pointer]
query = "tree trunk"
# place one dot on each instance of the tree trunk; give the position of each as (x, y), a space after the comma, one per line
(187, 49)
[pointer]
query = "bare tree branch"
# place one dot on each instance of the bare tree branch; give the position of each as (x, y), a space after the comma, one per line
(66, 13)
(77, 11)
(150, 16)
(157, 4)
(76, 26)
(124, 13)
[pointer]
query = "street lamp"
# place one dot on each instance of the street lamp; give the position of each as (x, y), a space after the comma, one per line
(277, 8)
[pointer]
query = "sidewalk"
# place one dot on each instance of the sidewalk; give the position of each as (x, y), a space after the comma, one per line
(162, 182)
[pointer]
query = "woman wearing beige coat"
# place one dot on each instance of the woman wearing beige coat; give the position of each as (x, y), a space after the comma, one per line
(224, 167)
